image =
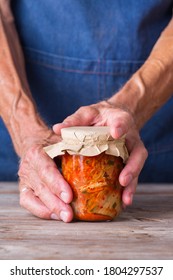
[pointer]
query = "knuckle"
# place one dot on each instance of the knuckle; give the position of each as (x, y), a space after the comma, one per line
(43, 171)
(72, 118)
(52, 177)
(123, 119)
(87, 110)
(144, 151)
(127, 119)
(82, 108)
(83, 113)
(47, 174)
(39, 190)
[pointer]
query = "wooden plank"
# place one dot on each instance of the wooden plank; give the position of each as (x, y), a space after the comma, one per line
(143, 231)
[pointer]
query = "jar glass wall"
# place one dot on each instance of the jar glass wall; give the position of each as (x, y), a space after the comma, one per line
(95, 184)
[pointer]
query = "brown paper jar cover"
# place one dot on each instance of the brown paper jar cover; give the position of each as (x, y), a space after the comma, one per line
(88, 141)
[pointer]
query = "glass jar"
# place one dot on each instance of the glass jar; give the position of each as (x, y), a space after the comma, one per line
(94, 181)
(91, 163)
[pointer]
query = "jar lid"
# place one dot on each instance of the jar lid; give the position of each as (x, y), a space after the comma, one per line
(88, 141)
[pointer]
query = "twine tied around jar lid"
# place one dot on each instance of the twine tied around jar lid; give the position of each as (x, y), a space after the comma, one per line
(88, 141)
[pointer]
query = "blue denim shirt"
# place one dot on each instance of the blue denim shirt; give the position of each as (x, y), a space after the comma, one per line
(82, 51)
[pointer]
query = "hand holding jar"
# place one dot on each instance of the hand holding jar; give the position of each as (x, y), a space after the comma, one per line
(121, 123)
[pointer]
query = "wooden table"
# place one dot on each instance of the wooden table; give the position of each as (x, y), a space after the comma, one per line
(143, 231)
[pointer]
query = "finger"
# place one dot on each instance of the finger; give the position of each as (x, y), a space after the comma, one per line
(46, 186)
(84, 116)
(55, 182)
(129, 191)
(62, 210)
(134, 164)
(33, 204)
(58, 126)
(45, 171)
(44, 192)
(119, 121)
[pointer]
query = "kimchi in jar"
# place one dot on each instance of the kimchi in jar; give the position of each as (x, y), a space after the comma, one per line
(91, 163)
(94, 180)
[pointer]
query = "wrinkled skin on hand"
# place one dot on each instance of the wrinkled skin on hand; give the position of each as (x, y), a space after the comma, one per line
(121, 122)
(43, 190)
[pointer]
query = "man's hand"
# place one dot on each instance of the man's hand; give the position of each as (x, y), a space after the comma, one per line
(121, 122)
(43, 190)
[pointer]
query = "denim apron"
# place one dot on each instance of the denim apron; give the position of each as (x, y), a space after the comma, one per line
(79, 52)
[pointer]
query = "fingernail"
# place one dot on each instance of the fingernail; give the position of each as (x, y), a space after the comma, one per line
(64, 196)
(54, 216)
(64, 216)
(55, 125)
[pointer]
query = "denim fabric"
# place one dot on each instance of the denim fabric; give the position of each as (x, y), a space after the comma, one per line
(79, 52)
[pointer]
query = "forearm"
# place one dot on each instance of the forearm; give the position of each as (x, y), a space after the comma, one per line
(152, 85)
(17, 108)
